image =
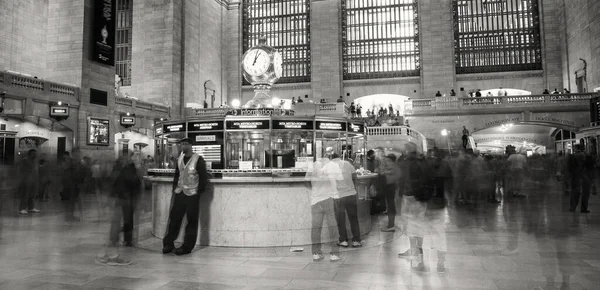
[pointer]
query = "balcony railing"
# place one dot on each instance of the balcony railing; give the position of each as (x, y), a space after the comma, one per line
(398, 131)
(135, 104)
(453, 103)
(35, 85)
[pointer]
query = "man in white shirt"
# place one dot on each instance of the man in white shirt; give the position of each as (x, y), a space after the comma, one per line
(346, 203)
(323, 176)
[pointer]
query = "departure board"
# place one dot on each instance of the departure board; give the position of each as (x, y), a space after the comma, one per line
(210, 153)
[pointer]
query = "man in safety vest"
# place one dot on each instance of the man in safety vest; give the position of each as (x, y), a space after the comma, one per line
(190, 181)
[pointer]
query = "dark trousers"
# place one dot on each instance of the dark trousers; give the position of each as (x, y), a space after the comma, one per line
(438, 183)
(320, 212)
(26, 202)
(27, 192)
(183, 205)
(580, 188)
(465, 141)
(123, 211)
(390, 199)
(348, 205)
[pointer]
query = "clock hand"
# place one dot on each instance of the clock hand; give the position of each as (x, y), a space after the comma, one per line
(256, 57)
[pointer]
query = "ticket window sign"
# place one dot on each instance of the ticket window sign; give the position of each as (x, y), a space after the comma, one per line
(173, 128)
(356, 128)
(59, 111)
(331, 126)
(248, 125)
(127, 120)
(291, 124)
(205, 126)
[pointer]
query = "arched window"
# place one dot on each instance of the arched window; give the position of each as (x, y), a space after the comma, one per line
(286, 25)
(123, 40)
(380, 38)
(496, 35)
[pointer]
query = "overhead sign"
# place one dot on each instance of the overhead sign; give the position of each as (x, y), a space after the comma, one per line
(205, 126)
(331, 126)
(293, 124)
(356, 128)
(244, 125)
(172, 128)
(206, 138)
(128, 120)
(59, 111)
(103, 31)
(158, 131)
(260, 112)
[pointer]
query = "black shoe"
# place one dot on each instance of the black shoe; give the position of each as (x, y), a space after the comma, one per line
(182, 251)
(168, 249)
(128, 244)
(585, 211)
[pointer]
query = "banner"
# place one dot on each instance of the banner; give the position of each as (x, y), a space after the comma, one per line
(103, 31)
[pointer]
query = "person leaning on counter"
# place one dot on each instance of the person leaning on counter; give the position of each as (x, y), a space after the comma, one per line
(190, 181)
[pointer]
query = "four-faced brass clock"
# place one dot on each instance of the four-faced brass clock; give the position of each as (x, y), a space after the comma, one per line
(262, 64)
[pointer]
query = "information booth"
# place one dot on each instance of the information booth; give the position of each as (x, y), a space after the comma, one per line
(259, 195)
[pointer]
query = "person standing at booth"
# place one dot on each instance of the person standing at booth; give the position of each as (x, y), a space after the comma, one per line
(190, 181)
(29, 172)
(346, 202)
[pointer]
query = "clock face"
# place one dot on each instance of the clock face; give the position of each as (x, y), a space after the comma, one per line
(278, 64)
(256, 62)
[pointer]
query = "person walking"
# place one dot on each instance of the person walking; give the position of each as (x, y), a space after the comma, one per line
(190, 181)
(391, 174)
(346, 203)
(124, 194)
(581, 167)
(30, 178)
(465, 137)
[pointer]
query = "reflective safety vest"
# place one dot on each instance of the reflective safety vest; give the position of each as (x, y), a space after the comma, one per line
(189, 179)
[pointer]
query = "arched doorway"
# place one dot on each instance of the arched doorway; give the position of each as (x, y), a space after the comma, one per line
(378, 101)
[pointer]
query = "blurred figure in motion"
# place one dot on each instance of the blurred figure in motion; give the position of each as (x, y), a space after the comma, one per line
(44, 180)
(391, 174)
(72, 180)
(30, 178)
(123, 198)
(414, 182)
(323, 176)
(581, 168)
(517, 163)
(346, 203)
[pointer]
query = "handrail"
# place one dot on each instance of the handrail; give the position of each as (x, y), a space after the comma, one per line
(412, 106)
(39, 85)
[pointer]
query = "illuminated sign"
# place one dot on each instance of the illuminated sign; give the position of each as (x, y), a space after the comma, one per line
(241, 125)
(205, 126)
(260, 112)
(331, 126)
(127, 120)
(98, 132)
(56, 111)
(293, 124)
(174, 128)
(206, 138)
(158, 131)
(356, 128)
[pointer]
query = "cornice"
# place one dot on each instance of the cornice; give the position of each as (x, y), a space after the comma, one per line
(503, 75)
(229, 4)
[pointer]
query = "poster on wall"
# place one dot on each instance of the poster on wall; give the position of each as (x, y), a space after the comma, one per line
(103, 31)
(98, 132)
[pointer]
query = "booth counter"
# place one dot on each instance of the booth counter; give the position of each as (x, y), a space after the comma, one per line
(257, 208)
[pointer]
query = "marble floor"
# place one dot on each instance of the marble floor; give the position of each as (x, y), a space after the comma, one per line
(557, 250)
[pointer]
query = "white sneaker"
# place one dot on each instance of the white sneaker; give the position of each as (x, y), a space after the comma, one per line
(23, 211)
(34, 210)
(334, 258)
(318, 257)
(343, 244)
(356, 244)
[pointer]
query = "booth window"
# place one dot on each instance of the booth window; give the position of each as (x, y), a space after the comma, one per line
(248, 146)
(286, 25)
(291, 149)
(380, 39)
(496, 35)
(123, 40)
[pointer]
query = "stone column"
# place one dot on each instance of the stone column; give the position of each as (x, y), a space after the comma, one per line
(326, 52)
(232, 47)
(438, 71)
(550, 34)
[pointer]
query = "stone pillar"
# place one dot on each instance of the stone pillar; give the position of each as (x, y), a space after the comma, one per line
(438, 71)
(157, 52)
(65, 41)
(594, 63)
(326, 52)
(550, 34)
(211, 63)
(232, 47)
